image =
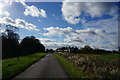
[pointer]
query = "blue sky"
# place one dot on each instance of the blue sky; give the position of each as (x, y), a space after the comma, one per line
(58, 24)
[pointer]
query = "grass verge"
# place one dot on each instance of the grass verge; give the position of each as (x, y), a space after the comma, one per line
(13, 66)
(72, 71)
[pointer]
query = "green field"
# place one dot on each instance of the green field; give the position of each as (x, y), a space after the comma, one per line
(13, 66)
(90, 65)
(104, 56)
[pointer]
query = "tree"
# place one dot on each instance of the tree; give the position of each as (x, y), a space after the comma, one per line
(10, 44)
(31, 45)
(86, 49)
(50, 50)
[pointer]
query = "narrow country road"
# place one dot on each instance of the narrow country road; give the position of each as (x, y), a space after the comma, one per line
(47, 67)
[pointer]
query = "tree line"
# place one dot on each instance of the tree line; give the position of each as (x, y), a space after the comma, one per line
(85, 50)
(12, 47)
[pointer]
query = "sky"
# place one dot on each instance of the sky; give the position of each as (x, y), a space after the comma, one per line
(58, 24)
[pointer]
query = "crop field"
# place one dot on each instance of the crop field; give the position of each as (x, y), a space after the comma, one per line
(95, 65)
(12, 66)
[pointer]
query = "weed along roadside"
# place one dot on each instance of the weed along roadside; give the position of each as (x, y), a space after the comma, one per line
(13, 66)
(72, 70)
(93, 65)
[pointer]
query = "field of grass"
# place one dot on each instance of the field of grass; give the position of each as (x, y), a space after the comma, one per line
(70, 68)
(12, 66)
(95, 65)
(104, 56)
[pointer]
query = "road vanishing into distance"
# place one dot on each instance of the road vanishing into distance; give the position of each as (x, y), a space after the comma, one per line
(47, 67)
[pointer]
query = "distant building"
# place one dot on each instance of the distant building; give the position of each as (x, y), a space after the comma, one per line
(68, 49)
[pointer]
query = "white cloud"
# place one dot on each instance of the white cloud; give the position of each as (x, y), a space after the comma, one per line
(22, 2)
(67, 31)
(7, 2)
(5, 13)
(103, 34)
(72, 20)
(33, 10)
(44, 40)
(7, 20)
(91, 0)
(74, 39)
(54, 45)
(18, 23)
(110, 25)
(2, 6)
(72, 10)
(71, 36)
(61, 31)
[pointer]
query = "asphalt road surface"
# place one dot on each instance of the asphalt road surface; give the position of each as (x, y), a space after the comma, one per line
(47, 67)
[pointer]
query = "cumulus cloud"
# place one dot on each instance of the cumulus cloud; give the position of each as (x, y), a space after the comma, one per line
(33, 10)
(84, 37)
(62, 31)
(3, 12)
(104, 36)
(68, 31)
(18, 23)
(110, 25)
(71, 36)
(71, 11)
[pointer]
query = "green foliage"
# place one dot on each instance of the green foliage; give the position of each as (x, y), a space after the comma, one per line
(13, 66)
(70, 68)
